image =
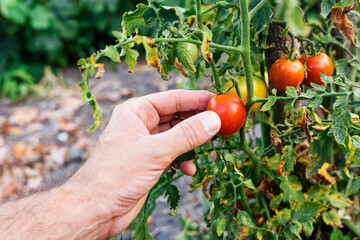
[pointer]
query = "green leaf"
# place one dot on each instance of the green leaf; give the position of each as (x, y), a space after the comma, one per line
(112, 53)
(275, 202)
(40, 18)
(357, 92)
(289, 158)
(142, 232)
(292, 189)
(262, 17)
(355, 186)
(291, 92)
(134, 19)
(81, 62)
(289, 11)
(294, 230)
(326, 6)
(316, 102)
(337, 235)
(184, 56)
(118, 34)
(245, 219)
(220, 224)
(186, 157)
(131, 56)
(178, 11)
(308, 94)
(326, 195)
(318, 88)
(341, 120)
(331, 218)
(172, 193)
(356, 141)
(267, 106)
(308, 211)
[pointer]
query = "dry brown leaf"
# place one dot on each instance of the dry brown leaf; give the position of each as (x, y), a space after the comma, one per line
(23, 116)
(100, 72)
(276, 141)
(19, 151)
(69, 127)
(343, 23)
(6, 128)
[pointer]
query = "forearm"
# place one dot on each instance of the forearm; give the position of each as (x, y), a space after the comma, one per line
(60, 213)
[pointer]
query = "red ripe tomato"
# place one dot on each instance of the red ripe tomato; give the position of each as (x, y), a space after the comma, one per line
(285, 72)
(249, 193)
(315, 65)
(231, 111)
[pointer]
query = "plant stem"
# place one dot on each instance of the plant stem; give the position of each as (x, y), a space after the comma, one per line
(257, 100)
(351, 227)
(257, 8)
(216, 74)
(213, 45)
(216, 6)
(244, 201)
(198, 15)
(267, 216)
(245, 46)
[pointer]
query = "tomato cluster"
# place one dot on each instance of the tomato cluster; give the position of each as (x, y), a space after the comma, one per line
(285, 72)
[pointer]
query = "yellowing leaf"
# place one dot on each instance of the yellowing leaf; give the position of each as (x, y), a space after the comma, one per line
(150, 46)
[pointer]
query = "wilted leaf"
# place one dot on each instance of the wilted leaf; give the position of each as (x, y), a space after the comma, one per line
(341, 120)
(324, 176)
(289, 159)
(150, 46)
(205, 48)
(276, 141)
(343, 23)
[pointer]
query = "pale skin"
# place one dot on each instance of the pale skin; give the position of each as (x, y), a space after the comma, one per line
(142, 138)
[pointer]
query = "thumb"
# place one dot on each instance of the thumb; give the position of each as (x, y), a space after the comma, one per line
(190, 133)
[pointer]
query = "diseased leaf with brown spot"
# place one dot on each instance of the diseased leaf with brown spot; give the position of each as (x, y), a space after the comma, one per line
(324, 176)
(152, 57)
(301, 120)
(207, 37)
(100, 72)
(343, 23)
(178, 66)
(276, 141)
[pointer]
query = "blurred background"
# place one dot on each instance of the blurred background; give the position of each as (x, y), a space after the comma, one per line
(38, 34)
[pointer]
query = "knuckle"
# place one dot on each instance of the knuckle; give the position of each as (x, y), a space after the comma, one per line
(190, 135)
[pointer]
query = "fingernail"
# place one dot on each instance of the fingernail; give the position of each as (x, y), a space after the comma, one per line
(211, 122)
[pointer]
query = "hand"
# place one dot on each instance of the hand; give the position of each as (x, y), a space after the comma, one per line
(142, 139)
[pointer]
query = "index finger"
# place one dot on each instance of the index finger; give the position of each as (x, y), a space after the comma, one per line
(175, 101)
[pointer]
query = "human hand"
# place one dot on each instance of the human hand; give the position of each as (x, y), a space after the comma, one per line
(142, 139)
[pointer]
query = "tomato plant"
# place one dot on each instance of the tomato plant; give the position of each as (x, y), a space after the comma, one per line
(321, 63)
(260, 90)
(231, 111)
(302, 167)
(284, 73)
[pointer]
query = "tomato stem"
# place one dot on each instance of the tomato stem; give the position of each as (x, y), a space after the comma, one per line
(198, 15)
(216, 76)
(257, 8)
